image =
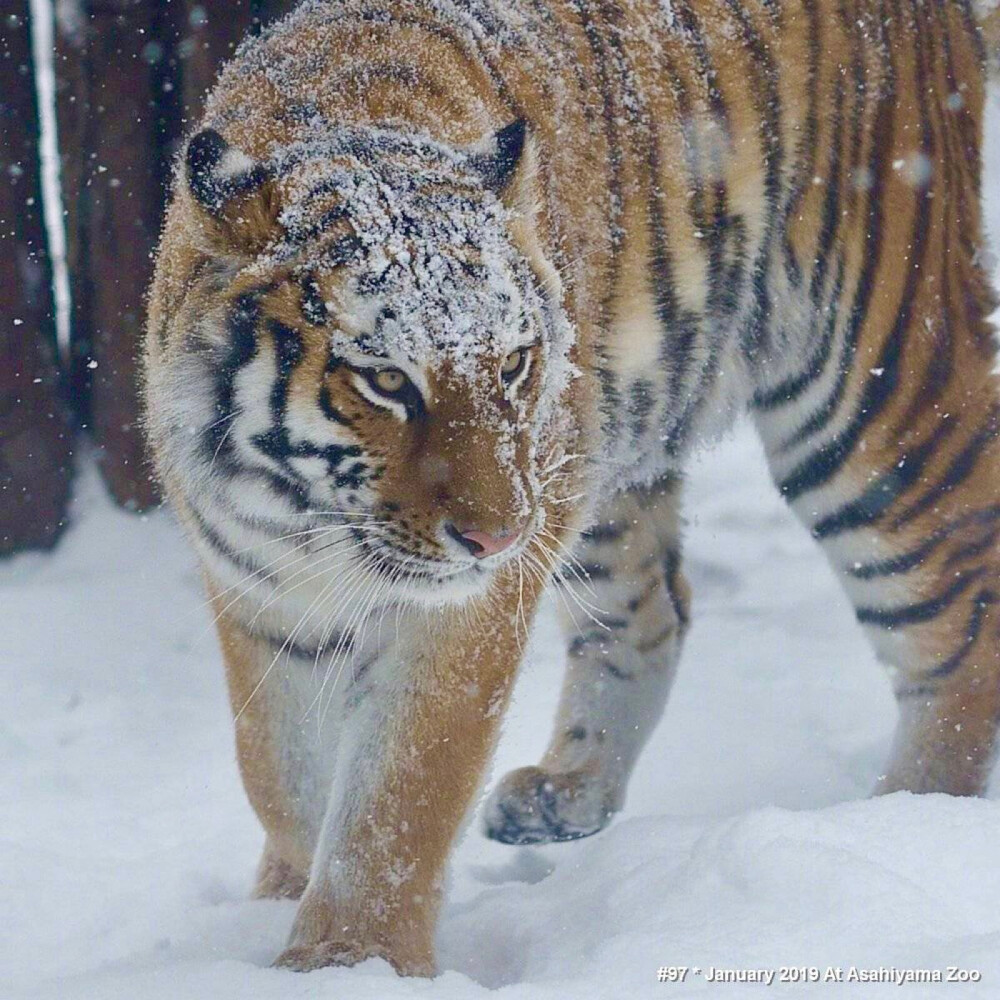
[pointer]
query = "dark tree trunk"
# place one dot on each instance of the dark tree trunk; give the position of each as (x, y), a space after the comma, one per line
(115, 91)
(132, 75)
(35, 433)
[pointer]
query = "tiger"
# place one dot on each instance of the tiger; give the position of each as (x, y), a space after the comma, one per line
(448, 293)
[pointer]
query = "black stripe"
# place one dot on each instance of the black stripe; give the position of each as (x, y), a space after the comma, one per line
(288, 352)
(616, 671)
(610, 395)
(831, 202)
(724, 235)
(940, 356)
(881, 494)
(641, 401)
(793, 387)
(579, 643)
(297, 235)
(808, 146)
(639, 600)
(292, 490)
(241, 327)
(767, 99)
(331, 412)
(940, 359)
(609, 531)
(241, 560)
(857, 31)
(300, 650)
(906, 561)
(594, 571)
(961, 467)
(877, 168)
(922, 611)
(696, 168)
(678, 328)
(882, 383)
(973, 629)
(313, 305)
(615, 624)
(897, 564)
(973, 30)
(671, 572)
(706, 68)
(275, 442)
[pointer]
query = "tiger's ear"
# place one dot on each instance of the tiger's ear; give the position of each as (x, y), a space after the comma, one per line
(236, 193)
(498, 160)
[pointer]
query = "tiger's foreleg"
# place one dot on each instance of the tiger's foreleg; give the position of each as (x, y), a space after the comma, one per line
(282, 759)
(624, 641)
(410, 760)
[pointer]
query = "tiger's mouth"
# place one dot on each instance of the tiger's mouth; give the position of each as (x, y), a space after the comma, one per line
(433, 579)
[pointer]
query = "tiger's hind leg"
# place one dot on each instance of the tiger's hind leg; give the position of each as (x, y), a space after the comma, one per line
(911, 524)
(619, 673)
(893, 464)
(885, 436)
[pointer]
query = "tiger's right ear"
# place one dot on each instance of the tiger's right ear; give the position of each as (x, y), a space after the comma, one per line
(236, 193)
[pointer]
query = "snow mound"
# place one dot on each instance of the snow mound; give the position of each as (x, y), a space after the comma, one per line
(128, 848)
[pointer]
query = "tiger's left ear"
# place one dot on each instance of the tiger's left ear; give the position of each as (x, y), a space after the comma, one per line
(236, 193)
(501, 160)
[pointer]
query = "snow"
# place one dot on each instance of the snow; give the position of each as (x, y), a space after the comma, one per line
(127, 847)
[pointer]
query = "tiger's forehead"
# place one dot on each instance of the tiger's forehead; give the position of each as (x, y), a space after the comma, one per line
(408, 267)
(426, 311)
(387, 191)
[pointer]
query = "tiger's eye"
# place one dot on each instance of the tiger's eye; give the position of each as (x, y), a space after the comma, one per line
(389, 380)
(512, 363)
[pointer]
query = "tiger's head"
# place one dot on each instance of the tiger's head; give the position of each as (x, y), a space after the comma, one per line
(380, 345)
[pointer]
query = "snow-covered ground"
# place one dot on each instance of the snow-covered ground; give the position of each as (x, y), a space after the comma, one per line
(127, 847)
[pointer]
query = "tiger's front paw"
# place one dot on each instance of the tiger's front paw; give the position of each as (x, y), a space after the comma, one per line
(533, 806)
(309, 957)
(325, 934)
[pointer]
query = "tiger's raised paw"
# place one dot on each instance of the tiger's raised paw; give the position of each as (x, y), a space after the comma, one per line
(534, 806)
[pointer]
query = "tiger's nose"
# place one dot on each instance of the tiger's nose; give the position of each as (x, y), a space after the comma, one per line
(481, 543)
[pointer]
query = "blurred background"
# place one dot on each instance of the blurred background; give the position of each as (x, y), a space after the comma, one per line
(98, 93)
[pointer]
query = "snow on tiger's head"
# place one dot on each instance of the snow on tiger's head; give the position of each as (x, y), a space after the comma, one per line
(393, 352)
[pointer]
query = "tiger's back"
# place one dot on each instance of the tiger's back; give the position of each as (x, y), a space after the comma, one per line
(704, 165)
(634, 221)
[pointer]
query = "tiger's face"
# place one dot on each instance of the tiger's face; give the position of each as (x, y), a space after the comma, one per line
(384, 355)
